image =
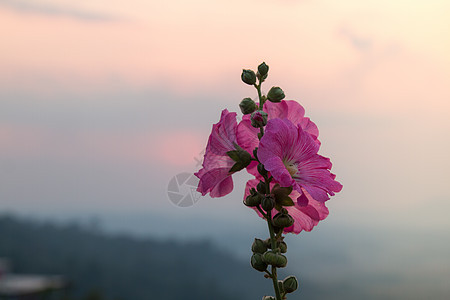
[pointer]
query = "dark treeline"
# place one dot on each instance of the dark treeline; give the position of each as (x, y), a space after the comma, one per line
(125, 267)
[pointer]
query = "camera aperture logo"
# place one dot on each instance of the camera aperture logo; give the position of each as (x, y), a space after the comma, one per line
(182, 190)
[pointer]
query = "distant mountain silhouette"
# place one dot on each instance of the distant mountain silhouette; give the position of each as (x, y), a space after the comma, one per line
(124, 267)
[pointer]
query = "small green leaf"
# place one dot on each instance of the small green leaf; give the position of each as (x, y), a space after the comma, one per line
(236, 167)
(285, 201)
(234, 155)
(278, 206)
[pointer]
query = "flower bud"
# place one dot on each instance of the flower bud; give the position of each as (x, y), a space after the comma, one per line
(262, 170)
(259, 118)
(268, 298)
(247, 106)
(267, 203)
(275, 259)
(275, 94)
(283, 220)
(248, 76)
(258, 263)
(259, 246)
(261, 187)
(268, 243)
(290, 284)
(263, 69)
(253, 200)
(283, 247)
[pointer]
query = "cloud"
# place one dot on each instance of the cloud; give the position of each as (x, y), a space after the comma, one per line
(53, 10)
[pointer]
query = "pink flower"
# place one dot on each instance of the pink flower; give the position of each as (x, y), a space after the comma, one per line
(215, 177)
(306, 214)
(289, 153)
(247, 135)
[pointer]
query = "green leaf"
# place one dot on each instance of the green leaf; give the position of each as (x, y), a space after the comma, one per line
(285, 201)
(234, 155)
(278, 206)
(236, 167)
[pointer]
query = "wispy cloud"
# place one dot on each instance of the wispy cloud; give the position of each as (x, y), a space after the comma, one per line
(48, 9)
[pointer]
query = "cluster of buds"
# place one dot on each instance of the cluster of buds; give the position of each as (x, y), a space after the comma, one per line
(264, 255)
(248, 106)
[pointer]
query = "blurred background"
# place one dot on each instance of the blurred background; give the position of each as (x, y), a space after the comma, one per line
(106, 107)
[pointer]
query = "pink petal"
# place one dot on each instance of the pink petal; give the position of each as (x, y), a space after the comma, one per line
(223, 134)
(247, 135)
(276, 110)
(217, 182)
(295, 112)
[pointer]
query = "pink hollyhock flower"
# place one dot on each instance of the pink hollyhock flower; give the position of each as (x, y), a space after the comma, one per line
(289, 153)
(306, 214)
(247, 135)
(215, 177)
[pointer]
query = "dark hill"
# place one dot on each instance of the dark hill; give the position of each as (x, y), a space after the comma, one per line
(124, 267)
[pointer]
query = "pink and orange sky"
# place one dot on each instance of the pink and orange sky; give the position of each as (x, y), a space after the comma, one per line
(113, 83)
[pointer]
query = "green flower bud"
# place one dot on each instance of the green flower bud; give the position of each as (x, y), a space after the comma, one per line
(261, 187)
(275, 259)
(283, 247)
(248, 76)
(258, 263)
(262, 170)
(259, 118)
(259, 246)
(290, 284)
(268, 298)
(267, 203)
(253, 200)
(283, 220)
(268, 243)
(247, 106)
(275, 94)
(263, 69)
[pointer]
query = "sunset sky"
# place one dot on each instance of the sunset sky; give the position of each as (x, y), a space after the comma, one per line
(103, 102)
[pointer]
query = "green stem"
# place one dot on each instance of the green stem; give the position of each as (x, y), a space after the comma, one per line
(258, 88)
(274, 269)
(268, 216)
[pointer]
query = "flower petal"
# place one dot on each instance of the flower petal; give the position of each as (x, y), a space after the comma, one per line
(295, 112)
(217, 182)
(223, 133)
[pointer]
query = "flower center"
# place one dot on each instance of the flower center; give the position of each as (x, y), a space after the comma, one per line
(291, 167)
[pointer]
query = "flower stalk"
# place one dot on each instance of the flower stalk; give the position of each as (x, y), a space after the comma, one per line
(277, 144)
(268, 215)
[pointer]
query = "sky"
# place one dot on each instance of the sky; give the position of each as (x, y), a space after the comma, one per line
(102, 103)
